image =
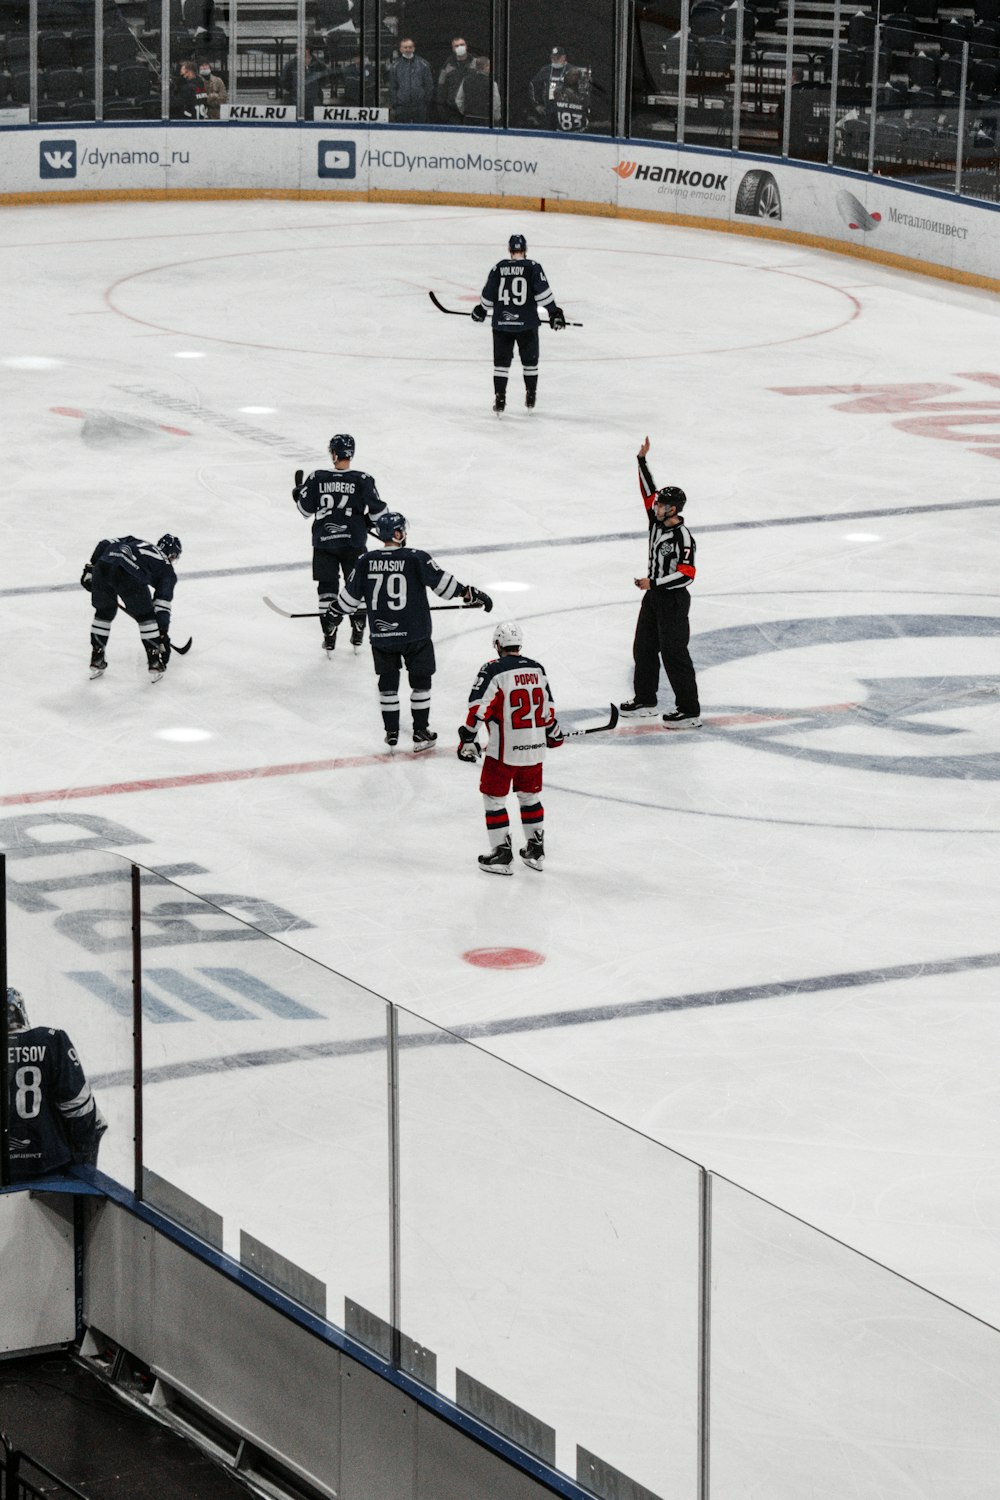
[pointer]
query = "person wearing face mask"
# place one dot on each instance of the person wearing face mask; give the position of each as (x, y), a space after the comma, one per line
(215, 90)
(450, 80)
(411, 86)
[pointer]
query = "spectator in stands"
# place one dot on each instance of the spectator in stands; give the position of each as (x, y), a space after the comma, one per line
(478, 98)
(450, 79)
(545, 86)
(187, 97)
(216, 93)
(53, 1117)
(411, 86)
(203, 15)
(800, 131)
(573, 101)
(316, 76)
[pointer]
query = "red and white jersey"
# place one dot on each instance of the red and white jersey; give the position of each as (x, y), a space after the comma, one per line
(511, 695)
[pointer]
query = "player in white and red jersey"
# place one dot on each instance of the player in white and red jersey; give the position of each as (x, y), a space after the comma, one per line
(512, 697)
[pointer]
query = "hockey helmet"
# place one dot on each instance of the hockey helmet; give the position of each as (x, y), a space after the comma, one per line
(671, 496)
(517, 244)
(387, 524)
(508, 635)
(170, 546)
(341, 445)
(17, 1013)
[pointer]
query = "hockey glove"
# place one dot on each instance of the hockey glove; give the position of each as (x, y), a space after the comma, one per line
(557, 318)
(86, 576)
(553, 736)
(299, 476)
(479, 314)
(468, 745)
(474, 596)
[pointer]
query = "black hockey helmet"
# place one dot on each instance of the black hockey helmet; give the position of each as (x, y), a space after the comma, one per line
(170, 546)
(669, 496)
(341, 445)
(517, 244)
(17, 1013)
(387, 524)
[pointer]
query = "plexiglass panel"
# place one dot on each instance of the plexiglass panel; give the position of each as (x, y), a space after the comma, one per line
(265, 1098)
(833, 1377)
(549, 1256)
(69, 937)
(561, 65)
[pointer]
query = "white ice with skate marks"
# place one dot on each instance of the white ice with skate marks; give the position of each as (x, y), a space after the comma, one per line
(782, 842)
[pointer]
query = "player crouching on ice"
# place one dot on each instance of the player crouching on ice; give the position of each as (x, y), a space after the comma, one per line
(513, 698)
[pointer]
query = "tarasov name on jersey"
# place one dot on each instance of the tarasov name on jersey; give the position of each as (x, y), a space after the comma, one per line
(379, 564)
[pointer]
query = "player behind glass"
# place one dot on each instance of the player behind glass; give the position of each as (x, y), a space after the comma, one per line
(511, 695)
(392, 586)
(343, 502)
(142, 576)
(53, 1117)
(515, 289)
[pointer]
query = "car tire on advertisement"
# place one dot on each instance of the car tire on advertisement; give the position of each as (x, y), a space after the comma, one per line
(757, 196)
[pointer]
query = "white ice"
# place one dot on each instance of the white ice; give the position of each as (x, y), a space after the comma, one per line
(168, 367)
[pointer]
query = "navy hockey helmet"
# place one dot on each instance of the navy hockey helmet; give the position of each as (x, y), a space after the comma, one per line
(517, 244)
(341, 445)
(387, 524)
(669, 496)
(170, 546)
(17, 1012)
(508, 636)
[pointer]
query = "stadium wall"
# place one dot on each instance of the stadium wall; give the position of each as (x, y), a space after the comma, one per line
(897, 224)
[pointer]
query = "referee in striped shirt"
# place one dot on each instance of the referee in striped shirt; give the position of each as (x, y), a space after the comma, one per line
(662, 631)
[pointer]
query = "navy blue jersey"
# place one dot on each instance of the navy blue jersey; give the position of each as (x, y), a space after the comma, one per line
(53, 1117)
(392, 585)
(145, 563)
(511, 695)
(341, 502)
(514, 291)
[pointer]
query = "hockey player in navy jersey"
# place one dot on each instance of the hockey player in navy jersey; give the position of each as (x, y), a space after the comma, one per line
(511, 695)
(392, 585)
(343, 502)
(142, 576)
(515, 289)
(53, 1117)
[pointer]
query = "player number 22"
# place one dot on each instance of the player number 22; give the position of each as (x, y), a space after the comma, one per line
(521, 704)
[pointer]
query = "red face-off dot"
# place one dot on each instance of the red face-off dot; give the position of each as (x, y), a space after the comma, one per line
(504, 958)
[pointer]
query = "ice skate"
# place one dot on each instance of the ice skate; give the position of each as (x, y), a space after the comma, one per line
(529, 400)
(392, 738)
(499, 404)
(357, 633)
(534, 853)
(499, 861)
(330, 628)
(637, 709)
(156, 660)
(98, 662)
(423, 739)
(682, 721)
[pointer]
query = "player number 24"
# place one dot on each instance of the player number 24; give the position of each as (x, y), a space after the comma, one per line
(521, 705)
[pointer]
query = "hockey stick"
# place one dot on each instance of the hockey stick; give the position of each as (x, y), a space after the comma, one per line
(456, 312)
(181, 650)
(574, 734)
(314, 614)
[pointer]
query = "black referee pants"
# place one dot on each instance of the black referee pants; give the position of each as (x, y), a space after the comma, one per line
(662, 633)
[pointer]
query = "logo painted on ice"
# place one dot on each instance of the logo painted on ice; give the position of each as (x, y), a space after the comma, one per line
(337, 159)
(854, 213)
(898, 704)
(57, 159)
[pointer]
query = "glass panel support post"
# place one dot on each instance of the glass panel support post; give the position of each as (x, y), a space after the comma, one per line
(165, 40)
(33, 61)
(960, 143)
(137, 1026)
(786, 124)
(392, 1063)
(873, 103)
(831, 138)
(738, 77)
(682, 65)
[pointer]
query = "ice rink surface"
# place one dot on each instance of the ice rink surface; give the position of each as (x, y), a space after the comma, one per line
(771, 944)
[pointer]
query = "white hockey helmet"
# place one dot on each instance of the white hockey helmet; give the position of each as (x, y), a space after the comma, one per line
(507, 635)
(17, 1013)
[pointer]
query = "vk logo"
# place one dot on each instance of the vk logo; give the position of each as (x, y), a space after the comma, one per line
(337, 159)
(57, 159)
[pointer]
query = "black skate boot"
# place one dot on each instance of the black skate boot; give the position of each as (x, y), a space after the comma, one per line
(499, 404)
(357, 631)
(98, 661)
(156, 661)
(534, 853)
(423, 739)
(392, 738)
(682, 721)
(637, 709)
(529, 400)
(499, 861)
(330, 624)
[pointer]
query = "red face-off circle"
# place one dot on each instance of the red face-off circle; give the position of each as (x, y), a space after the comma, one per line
(504, 958)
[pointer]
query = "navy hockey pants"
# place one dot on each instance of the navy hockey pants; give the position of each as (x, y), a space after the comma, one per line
(662, 633)
(420, 664)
